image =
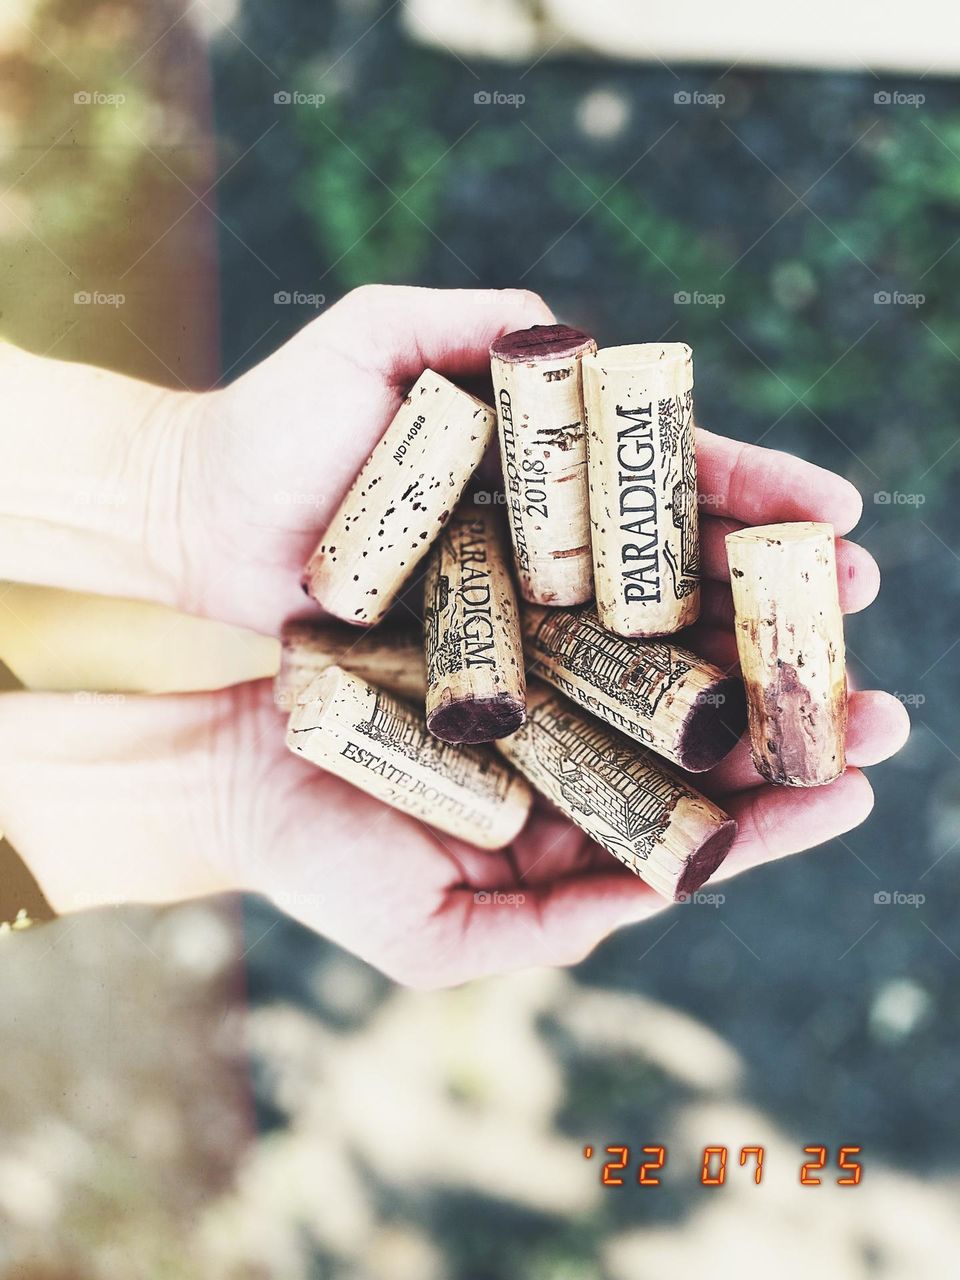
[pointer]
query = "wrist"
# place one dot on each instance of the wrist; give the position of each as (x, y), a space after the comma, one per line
(90, 467)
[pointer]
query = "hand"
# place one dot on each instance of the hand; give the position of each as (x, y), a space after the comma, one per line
(191, 794)
(267, 459)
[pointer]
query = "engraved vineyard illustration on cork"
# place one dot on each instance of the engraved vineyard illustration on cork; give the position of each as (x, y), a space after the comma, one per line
(637, 679)
(630, 803)
(394, 726)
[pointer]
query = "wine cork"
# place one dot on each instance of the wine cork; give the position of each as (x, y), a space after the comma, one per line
(789, 632)
(389, 657)
(539, 398)
(642, 467)
(620, 795)
(376, 742)
(663, 696)
(476, 680)
(400, 500)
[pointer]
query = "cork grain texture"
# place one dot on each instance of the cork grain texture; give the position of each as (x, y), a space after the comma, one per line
(400, 500)
(538, 390)
(789, 633)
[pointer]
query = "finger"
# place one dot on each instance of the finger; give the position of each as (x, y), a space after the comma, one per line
(555, 924)
(858, 577)
(776, 821)
(858, 581)
(550, 847)
(877, 727)
(449, 330)
(764, 486)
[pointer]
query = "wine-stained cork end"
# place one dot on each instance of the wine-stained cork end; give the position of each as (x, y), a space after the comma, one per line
(705, 860)
(714, 725)
(541, 342)
(790, 721)
(789, 629)
(475, 720)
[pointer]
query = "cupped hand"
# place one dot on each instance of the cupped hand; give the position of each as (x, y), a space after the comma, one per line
(155, 799)
(195, 793)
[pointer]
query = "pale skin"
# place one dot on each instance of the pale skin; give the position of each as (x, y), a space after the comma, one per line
(161, 799)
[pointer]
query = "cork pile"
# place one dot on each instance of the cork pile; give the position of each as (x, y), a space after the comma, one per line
(603, 563)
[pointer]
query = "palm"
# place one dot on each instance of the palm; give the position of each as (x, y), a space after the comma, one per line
(285, 442)
(405, 897)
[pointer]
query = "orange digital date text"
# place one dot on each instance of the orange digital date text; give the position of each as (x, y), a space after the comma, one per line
(617, 1169)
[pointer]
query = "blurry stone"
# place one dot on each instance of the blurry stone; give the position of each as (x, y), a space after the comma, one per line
(213, 16)
(944, 816)
(398, 1252)
(793, 285)
(29, 1196)
(603, 113)
(898, 1010)
(345, 986)
(197, 938)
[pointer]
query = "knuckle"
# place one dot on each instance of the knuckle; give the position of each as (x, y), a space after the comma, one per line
(526, 298)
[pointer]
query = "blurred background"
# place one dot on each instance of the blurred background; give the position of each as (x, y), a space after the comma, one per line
(211, 1090)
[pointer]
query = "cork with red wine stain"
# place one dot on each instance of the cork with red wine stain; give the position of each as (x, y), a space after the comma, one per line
(476, 679)
(789, 631)
(660, 694)
(400, 501)
(620, 794)
(538, 393)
